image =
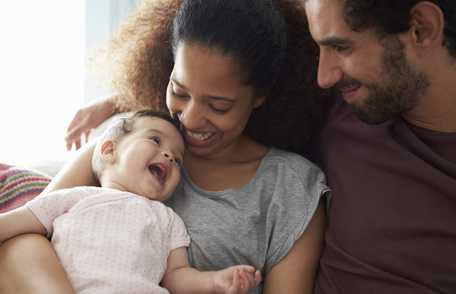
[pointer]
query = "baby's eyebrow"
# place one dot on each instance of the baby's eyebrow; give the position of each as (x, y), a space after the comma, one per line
(152, 130)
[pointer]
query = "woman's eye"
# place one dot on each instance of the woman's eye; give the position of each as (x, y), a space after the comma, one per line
(218, 110)
(178, 94)
(220, 107)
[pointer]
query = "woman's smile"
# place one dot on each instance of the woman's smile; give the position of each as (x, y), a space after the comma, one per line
(200, 139)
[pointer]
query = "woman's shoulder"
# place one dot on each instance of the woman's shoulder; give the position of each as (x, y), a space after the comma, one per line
(290, 171)
(290, 162)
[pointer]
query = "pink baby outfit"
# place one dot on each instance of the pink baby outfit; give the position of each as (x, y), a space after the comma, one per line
(110, 241)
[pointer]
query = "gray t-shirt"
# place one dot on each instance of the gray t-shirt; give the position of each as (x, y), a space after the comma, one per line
(256, 224)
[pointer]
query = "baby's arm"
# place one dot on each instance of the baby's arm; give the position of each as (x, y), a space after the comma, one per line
(181, 278)
(19, 221)
(37, 215)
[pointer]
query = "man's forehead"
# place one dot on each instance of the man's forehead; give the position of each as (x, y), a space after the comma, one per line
(325, 18)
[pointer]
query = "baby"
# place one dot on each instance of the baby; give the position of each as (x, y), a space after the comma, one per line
(120, 237)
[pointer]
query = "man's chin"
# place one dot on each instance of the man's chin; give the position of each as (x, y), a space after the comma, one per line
(370, 117)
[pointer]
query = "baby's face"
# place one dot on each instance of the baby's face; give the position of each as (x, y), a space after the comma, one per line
(149, 159)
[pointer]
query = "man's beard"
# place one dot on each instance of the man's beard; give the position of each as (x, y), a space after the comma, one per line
(399, 92)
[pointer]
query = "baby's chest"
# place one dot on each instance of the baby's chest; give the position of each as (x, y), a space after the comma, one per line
(112, 239)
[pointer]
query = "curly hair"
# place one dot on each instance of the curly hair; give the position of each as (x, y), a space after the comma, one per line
(141, 56)
(142, 53)
(387, 17)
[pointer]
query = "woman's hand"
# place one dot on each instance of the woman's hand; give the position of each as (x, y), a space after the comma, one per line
(236, 280)
(86, 119)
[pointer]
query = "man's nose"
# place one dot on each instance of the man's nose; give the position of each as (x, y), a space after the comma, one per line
(329, 71)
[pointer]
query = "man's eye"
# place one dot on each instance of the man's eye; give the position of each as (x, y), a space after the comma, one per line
(342, 49)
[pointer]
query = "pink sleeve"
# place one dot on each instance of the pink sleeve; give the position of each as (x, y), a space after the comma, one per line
(178, 236)
(49, 206)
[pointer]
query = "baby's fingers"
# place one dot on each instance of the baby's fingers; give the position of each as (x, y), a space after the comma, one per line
(249, 279)
(236, 284)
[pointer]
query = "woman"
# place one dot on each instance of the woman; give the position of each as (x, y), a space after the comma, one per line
(239, 88)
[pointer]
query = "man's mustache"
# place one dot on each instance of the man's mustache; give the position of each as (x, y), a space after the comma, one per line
(346, 83)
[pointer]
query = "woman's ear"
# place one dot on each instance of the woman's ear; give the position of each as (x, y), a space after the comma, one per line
(427, 24)
(107, 151)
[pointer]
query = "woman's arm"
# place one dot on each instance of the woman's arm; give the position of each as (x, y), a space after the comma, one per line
(76, 173)
(296, 272)
(28, 263)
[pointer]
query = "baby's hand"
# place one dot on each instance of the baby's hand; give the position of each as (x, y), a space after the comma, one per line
(236, 279)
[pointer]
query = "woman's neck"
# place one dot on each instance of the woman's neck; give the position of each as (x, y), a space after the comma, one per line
(234, 168)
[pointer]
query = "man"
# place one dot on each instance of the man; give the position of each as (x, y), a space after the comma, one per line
(389, 147)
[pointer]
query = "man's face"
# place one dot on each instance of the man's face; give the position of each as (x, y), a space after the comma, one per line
(371, 74)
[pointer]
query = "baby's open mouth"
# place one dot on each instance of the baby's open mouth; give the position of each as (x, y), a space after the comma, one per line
(159, 171)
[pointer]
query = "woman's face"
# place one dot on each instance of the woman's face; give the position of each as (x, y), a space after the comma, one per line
(207, 93)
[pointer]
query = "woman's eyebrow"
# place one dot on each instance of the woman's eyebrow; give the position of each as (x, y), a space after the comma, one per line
(209, 96)
(222, 98)
(177, 83)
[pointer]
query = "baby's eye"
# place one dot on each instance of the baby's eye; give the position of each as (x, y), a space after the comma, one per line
(156, 140)
(178, 162)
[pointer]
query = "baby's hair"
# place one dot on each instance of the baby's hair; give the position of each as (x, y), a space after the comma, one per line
(123, 126)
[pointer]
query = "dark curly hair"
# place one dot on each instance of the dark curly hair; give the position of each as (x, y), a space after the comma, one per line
(269, 39)
(389, 17)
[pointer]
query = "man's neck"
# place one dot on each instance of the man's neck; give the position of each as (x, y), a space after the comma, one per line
(436, 110)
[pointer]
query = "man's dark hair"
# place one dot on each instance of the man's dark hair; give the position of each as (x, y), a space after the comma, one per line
(387, 17)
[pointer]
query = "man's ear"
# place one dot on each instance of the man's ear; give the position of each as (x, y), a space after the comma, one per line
(107, 151)
(427, 24)
(259, 100)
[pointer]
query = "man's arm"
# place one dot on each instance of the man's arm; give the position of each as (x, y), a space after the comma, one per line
(19, 221)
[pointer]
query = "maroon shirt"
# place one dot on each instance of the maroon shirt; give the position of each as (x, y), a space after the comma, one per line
(392, 227)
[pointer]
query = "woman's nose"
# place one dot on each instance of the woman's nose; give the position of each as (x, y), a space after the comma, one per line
(192, 116)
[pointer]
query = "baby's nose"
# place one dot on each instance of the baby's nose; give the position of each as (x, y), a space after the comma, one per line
(168, 155)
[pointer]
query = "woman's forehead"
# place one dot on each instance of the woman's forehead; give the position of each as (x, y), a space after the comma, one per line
(207, 71)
